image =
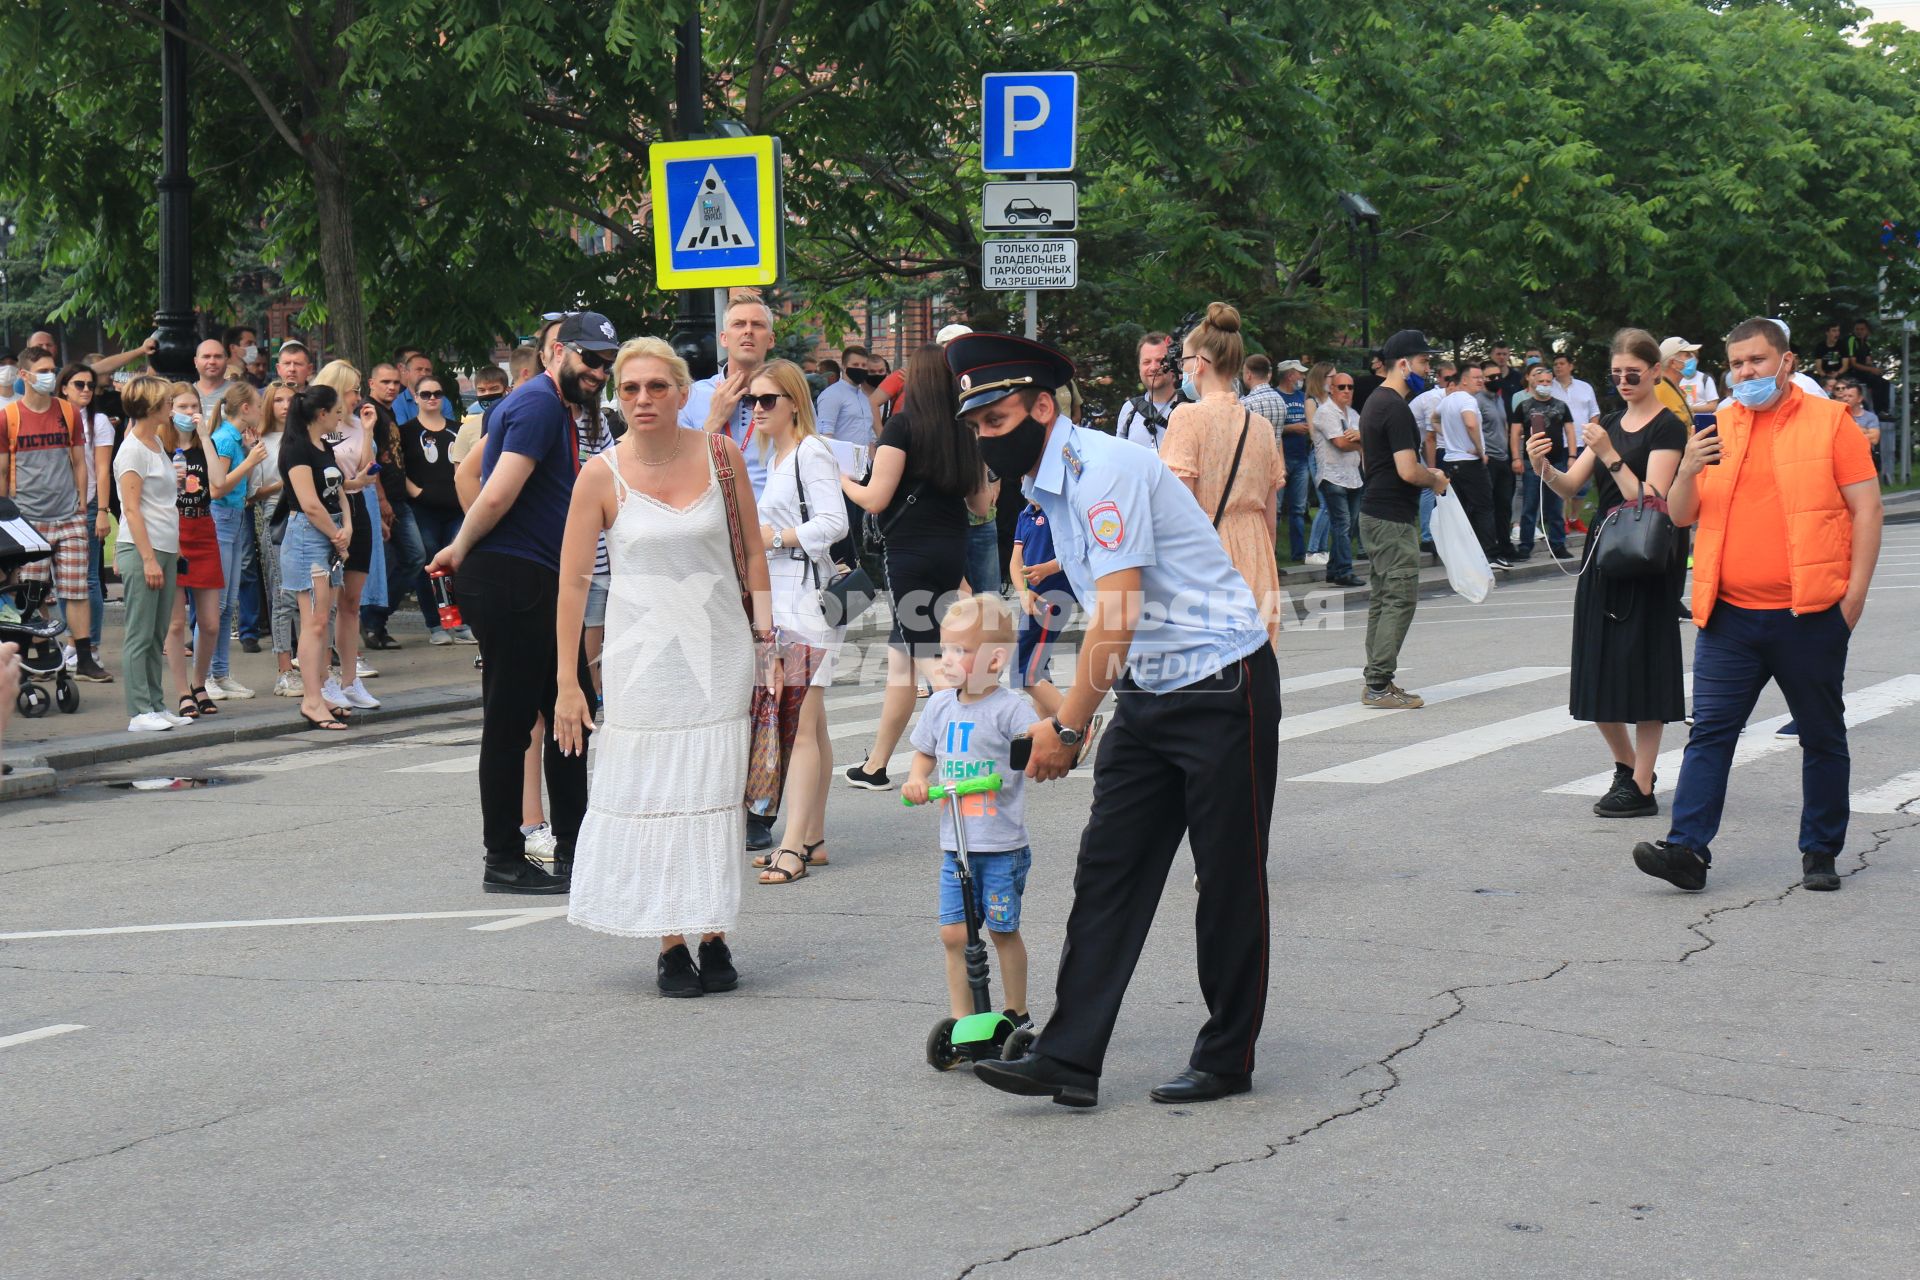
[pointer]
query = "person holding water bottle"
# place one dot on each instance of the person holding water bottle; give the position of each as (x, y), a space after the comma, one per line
(967, 731)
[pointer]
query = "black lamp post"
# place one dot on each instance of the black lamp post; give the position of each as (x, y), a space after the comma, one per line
(1366, 250)
(173, 322)
(693, 337)
(7, 227)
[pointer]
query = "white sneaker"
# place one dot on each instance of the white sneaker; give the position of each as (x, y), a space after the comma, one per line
(357, 696)
(463, 634)
(331, 693)
(173, 719)
(363, 670)
(224, 687)
(296, 663)
(149, 722)
(1318, 557)
(540, 844)
(287, 685)
(439, 635)
(69, 656)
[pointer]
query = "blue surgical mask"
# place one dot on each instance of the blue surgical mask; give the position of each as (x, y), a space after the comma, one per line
(1691, 367)
(183, 421)
(1757, 393)
(1188, 390)
(44, 383)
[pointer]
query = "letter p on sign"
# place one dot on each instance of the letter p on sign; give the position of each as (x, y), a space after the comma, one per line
(1029, 121)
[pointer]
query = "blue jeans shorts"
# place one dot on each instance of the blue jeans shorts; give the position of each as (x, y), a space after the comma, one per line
(999, 881)
(596, 615)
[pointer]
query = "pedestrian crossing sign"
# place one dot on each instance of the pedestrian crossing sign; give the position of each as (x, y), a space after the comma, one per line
(716, 212)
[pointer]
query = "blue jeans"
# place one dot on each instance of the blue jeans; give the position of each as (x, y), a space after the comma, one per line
(436, 528)
(253, 618)
(404, 565)
(1342, 506)
(231, 525)
(96, 589)
(1293, 505)
(1426, 515)
(999, 883)
(1734, 656)
(983, 557)
(1532, 490)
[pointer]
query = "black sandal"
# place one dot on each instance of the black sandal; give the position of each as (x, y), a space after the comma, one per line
(765, 860)
(188, 707)
(786, 876)
(204, 700)
(330, 726)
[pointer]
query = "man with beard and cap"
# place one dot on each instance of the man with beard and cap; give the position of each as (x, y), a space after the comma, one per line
(1193, 748)
(507, 555)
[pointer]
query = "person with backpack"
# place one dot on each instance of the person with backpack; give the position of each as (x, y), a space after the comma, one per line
(1144, 419)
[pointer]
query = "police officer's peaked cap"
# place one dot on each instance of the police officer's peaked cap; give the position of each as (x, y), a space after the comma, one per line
(992, 366)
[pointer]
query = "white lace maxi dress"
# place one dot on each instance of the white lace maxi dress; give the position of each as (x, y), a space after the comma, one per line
(660, 850)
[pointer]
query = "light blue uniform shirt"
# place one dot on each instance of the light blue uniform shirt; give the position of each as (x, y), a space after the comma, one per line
(1115, 506)
(844, 412)
(700, 399)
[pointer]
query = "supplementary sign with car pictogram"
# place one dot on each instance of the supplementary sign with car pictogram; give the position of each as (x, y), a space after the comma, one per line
(1023, 206)
(717, 219)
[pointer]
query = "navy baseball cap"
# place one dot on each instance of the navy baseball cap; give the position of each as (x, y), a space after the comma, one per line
(1405, 344)
(992, 366)
(588, 330)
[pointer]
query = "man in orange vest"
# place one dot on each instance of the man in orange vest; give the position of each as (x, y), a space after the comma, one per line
(1786, 502)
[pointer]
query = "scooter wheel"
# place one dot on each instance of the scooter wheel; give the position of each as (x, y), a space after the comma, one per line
(32, 701)
(940, 1052)
(1018, 1043)
(66, 695)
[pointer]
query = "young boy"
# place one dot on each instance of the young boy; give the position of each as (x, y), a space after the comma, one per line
(965, 732)
(1045, 597)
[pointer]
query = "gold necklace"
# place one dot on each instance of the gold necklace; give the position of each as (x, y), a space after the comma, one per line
(673, 453)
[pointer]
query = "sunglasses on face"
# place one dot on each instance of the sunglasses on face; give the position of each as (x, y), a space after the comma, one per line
(592, 359)
(656, 389)
(429, 395)
(78, 385)
(765, 403)
(1625, 377)
(1342, 386)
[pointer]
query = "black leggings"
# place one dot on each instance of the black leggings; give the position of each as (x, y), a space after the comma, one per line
(922, 576)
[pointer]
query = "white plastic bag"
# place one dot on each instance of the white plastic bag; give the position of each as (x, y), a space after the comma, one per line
(1467, 569)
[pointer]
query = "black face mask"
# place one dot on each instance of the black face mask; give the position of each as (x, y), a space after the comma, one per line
(1014, 453)
(875, 377)
(491, 398)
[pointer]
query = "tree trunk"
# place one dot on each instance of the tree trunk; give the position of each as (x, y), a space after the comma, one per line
(339, 263)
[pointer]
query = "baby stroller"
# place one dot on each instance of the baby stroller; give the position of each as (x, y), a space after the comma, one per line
(23, 619)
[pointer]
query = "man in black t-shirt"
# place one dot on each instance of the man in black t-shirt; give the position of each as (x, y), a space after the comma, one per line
(1390, 515)
(1831, 355)
(1863, 368)
(1541, 412)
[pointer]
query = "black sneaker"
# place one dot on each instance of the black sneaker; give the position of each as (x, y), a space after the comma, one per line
(1678, 865)
(678, 977)
(249, 644)
(521, 876)
(89, 669)
(1500, 562)
(716, 966)
(858, 776)
(1626, 800)
(1817, 873)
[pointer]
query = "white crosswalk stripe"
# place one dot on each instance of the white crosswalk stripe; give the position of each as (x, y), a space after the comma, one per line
(1759, 740)
(1351, 713)
(1895, 795)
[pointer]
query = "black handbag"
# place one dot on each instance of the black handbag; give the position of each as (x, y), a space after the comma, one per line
(849, 592)
(1637, 538)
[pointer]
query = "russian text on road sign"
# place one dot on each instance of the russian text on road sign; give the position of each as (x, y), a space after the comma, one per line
(716, 212)
(1030, 264)
(1029, 121)
(1022, 206)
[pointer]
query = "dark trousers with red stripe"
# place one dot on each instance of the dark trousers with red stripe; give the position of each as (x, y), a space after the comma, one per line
(1199, 762)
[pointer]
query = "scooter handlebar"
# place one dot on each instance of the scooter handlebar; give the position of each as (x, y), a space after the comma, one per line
(971, 787)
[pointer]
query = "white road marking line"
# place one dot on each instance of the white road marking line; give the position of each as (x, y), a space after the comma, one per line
(1320, 680)
(533, 916)
(200, 925)
(39, 1033)
(1892, 796)
(1353, 713)
(459, 764)
(1759, 740)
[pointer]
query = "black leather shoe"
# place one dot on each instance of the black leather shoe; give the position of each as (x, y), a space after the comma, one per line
(1679, 866)
(759, 833)
(521, 876)
(1193, 1085)
(1817, 873)
(716, 966)
(1038, 1076)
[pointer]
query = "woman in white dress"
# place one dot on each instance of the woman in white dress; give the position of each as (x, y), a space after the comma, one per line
(798, 534)
(659, 853)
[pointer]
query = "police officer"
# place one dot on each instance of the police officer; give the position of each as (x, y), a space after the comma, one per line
(1193, 748)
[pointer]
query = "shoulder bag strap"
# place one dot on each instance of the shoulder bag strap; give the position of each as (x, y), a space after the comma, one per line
(12, 414)
(1234, 470)
(800, 485)
(723, 476)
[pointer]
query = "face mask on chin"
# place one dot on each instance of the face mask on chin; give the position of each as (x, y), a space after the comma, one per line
(1015, 453)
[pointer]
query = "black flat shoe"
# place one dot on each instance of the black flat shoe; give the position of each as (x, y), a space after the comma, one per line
(759, 833)
(1038, 1076)
(1193, 1085)
(521, 876)
(1817, 873)
(716, 966)
(1678, 865)
(677, 976)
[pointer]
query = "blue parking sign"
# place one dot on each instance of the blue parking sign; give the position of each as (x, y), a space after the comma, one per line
(1029, 121)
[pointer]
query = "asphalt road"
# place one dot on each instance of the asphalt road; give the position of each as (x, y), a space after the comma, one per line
(1492, 1049)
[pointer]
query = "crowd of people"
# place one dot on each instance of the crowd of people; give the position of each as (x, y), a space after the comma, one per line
(673, 577)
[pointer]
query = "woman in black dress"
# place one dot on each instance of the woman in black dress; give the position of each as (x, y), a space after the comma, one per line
(1626, 638)
(926, 476)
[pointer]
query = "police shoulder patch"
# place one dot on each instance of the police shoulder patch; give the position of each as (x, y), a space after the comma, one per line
(1107, 525)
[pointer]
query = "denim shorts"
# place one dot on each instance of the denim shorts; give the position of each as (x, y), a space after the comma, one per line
(597, 601)
(303, 551)
(999, 880)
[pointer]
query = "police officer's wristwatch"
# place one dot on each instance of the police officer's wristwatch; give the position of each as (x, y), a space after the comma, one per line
(1068, 737)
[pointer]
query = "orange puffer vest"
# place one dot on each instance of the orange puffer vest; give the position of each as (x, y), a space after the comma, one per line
(1819, 526)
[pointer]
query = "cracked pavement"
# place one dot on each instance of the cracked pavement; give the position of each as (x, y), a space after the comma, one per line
(1584, 1073)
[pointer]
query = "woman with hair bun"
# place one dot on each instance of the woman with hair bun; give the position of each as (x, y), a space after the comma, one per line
(1226, 455)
